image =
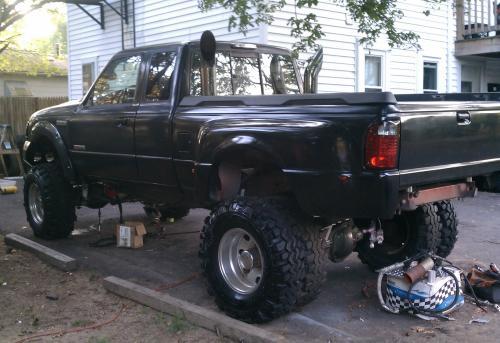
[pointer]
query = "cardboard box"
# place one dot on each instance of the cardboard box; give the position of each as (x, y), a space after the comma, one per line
(130, 235)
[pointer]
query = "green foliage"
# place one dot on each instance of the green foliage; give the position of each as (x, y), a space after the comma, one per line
(30, 63)
(373, 17)
(11, 11)
(95, 339)
(47, 45)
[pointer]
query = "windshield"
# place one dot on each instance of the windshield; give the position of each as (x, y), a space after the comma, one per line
(250, 74)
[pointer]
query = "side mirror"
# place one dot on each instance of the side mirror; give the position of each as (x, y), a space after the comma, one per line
(311, 73)
(208, 47)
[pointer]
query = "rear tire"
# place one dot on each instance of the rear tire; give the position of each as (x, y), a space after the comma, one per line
(314, 252)
(274, 259)
(405, 236)
(48, 202)
(449, 228)
(315, 256)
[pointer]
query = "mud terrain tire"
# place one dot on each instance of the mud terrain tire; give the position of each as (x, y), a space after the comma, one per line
(276, 249)
(449, 228)
(405, 235)
(48, 202)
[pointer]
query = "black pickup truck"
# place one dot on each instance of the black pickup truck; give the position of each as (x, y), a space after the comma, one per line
(292, 179)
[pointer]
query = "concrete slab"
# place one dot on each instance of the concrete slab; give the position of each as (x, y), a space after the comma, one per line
(46, 254)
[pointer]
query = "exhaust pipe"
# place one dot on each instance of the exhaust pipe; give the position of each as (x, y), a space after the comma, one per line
(312, 72)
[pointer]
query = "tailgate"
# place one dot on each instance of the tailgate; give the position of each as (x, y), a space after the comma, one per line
(447, 141)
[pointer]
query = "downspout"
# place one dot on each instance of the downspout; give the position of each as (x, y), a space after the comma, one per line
(133, 22)
(121, 22)
(449, 48)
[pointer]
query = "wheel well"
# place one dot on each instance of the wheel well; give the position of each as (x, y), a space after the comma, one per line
(246, 171)
(41, 150)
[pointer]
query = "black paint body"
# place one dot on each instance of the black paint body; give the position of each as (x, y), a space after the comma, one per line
(165, 152)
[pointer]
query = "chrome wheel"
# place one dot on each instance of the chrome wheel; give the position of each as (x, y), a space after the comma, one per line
(35, 203)
(240, 261)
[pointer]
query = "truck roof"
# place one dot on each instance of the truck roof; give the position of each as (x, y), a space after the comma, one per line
(220, 44)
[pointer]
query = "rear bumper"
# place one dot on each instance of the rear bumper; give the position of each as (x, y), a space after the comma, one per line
(367, 195)
(329, 194)
(455, 171)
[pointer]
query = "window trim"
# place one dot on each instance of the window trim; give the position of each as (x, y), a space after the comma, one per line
(93, 69)
(83, 61)
(382, 67)
(436, 62)
(380, 51)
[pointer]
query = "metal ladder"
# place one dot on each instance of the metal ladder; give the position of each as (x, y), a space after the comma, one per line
(8, 147)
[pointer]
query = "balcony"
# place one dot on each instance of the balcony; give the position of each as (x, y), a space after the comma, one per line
(478, 28)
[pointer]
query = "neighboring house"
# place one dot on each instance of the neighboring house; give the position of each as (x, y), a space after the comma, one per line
(448, 60)
(25, 73)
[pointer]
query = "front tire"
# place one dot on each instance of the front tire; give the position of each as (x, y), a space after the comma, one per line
(48, 202)
(252, 259)
(405, 236)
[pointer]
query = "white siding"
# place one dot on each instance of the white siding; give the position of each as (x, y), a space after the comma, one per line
(157, 21)
(166, 21)
(343, 66)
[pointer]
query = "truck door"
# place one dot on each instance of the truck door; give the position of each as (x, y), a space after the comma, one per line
(153, 125)
(102, 130)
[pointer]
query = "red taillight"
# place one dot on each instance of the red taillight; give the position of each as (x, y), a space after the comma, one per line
(382, 145)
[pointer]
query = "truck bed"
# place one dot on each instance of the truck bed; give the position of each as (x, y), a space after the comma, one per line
(448, 136)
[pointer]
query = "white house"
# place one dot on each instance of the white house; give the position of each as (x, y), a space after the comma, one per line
(460, 46)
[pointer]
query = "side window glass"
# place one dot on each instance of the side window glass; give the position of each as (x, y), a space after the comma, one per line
(246, 78)
(159, 76)
(223, 82)
(195, 82)
(278, 75)
(118, 82)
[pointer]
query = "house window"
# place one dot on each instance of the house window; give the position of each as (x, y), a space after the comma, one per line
(88, 76)
(430, 77)
(17, 88)
(373, 73)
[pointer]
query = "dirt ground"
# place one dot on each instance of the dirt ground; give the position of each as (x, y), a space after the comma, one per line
(36, 298)
(344, 311)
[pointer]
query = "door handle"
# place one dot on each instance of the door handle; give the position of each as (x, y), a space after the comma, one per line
(463, 118)
(122, 122)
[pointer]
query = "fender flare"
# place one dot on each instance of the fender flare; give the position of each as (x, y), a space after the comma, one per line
(47, 130)
(244, 142)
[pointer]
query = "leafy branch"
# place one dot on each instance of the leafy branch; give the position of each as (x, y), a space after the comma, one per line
(373, 17)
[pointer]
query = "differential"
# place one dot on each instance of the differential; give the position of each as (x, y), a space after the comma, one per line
(343, 237)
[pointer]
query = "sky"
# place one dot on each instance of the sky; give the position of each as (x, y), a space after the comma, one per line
(38, 25)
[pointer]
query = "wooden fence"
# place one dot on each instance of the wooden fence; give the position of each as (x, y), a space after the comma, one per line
(17, 110)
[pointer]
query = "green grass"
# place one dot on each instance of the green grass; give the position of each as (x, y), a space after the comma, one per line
(178, 324)
(174, 325)
(94, 339)
(80, 322)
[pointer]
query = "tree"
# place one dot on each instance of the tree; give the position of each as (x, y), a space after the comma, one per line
(11, 11)
(374, 18)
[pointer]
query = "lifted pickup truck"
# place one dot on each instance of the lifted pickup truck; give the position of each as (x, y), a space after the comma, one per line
(292, 179)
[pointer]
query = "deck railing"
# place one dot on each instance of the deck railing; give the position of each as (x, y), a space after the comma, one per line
(477, 19)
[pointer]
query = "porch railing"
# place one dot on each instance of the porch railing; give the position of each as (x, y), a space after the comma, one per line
(477, 19)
